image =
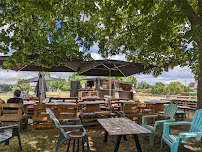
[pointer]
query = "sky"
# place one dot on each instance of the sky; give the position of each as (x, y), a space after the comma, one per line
(181, 74)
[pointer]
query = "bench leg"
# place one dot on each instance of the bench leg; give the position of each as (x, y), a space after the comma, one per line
(137, 143)
(105, 137)
(118, 140)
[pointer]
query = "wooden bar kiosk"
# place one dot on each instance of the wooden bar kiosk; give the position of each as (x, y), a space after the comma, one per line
(99, 87)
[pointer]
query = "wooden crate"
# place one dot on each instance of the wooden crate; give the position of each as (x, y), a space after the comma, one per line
(42, 121)
(11, 114)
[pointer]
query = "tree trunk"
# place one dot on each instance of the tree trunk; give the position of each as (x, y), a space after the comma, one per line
(199, 90)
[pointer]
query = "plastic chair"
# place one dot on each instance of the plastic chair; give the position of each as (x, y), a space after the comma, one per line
(80, 132)
(175, 141)
(169, 114)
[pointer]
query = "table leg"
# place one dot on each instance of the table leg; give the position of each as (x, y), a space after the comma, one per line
(137, 143)
(105, 137)
(124, 137)
(118, 140)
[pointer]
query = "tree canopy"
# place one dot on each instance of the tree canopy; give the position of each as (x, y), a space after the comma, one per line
(22, 86)
(150, 32)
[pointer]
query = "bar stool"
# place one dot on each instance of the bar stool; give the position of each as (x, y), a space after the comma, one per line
(76, 135)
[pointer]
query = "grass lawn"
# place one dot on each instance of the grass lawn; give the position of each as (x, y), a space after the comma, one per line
(46, 142)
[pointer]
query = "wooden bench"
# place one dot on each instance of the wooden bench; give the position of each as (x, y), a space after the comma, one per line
(42, 121)
(135, 111)
(11, 114)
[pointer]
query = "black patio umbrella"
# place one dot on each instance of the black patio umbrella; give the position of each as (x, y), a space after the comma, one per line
(41, 87)
(31, 66)
(41, 84)
(36, 79)
(111, 68)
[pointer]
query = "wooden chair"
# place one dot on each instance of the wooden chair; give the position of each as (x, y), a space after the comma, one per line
(5, 136)
(12, 113)
(77, 134)
(175, 141)
(169, 114)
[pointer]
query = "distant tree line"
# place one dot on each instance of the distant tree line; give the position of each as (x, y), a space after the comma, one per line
(64, 85)
(160, 88)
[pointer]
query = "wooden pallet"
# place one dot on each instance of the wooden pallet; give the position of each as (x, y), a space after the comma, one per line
(11, 114)
(42, 121)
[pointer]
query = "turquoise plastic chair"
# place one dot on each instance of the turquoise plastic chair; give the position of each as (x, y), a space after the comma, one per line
(169, 113)
(175, 141)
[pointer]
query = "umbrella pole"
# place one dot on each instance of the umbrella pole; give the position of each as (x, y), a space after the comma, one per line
(41, 86)
(110, 86)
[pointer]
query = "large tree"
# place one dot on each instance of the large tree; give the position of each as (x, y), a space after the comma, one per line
(155, 32)
(147, 31)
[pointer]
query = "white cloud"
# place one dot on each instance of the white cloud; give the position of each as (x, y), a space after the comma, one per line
(182, 75)
(94, 47)
(118, 57)
(96, 56)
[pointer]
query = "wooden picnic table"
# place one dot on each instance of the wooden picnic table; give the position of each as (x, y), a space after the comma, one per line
(121, 127)
(122, 102)
(191, 103)
(91, 106)
(62, 99)
(159, 104)
(60, 103)
(25, 106)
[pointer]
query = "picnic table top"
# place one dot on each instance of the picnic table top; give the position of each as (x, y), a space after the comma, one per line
(179, 99)
(122, 101)
(157, 101)
(60, 103)
(28, 103)
(122, 126)
(92, 102)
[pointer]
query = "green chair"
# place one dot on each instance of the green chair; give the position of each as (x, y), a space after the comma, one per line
(175, 141)
(168, 115)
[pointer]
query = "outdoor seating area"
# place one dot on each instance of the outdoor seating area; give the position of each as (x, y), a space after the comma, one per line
(144, 117)
(101, 75)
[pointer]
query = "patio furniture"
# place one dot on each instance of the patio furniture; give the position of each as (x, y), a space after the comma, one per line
(159, 104)
(42, 121)
(73, 100)
(29, 108)
(121, 127)
(180, 115)
(11, 114)
(89, 119)
(91, 106)
(5, 136)
(78, 133)
(135, 111)
(175, 141)
(169, 114)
